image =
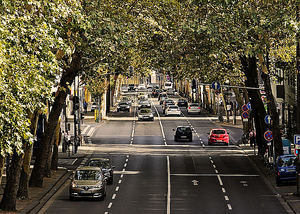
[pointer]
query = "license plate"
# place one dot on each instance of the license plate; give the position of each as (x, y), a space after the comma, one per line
(219, 140)
(85, 192)
(183, 136)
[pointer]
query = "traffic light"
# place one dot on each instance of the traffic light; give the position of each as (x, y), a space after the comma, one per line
(76, 103)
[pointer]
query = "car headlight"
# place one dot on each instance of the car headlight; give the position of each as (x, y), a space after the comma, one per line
(140, 116)
(282, 170)
(74, 185)
(107, 174)
(151, 115)
(127, 106)
(98, 186)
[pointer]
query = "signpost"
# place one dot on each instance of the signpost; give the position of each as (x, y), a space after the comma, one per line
(268, 119)
(245, 107)
(268, 135)
(245, 115)
(216, 85)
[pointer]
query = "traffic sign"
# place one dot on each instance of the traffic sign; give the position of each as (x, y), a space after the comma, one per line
(268, 135)
(297, 139)
(245, 107)
(216, 85)
(245, 115)
(249, 106)
(268, 119)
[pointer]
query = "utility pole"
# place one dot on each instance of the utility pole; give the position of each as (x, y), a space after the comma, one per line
(74, 112)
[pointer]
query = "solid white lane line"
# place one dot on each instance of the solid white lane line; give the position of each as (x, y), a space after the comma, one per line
(120, 181)
(74, 161)
(226, 198)
(169, 187)
(109, 206)
(160, 123)
(114, 196)
(229, 206)
(223, 190)
(117, 189)
(220, 180)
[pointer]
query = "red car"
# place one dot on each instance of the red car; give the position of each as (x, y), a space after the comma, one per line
(218, 136)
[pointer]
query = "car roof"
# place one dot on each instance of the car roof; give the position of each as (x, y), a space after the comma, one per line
(100, 159)
(89, 168)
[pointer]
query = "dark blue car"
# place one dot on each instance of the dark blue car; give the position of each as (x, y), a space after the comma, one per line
(285, 168)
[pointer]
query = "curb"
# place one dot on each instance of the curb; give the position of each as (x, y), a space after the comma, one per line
(38, 204)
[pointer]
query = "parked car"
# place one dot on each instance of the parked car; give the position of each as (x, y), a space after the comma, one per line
(144, 104)
(105, 165)
(123, 106)
(172, 110)
(193, 108)
(94, 106)
(88, 182)
(183, 132)
(145, 114)
(182, 103)
(285, 168)
(218, 136)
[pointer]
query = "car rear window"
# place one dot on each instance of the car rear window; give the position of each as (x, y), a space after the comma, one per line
(173, 107)
(145, 110)
(218, 131)
(287, 161)
(194, 104)
(184, 129)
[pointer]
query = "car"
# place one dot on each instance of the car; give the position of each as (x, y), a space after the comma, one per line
(145, 114)
(155, 92)
(183, 133)
(182, 103)
(124, 88)
(142, 96)
(105, 165)
(123, 106)
(285, 168)
(163, 94)
(87, 182)
(166, 103)
(171, 91)
(218, 136)
(172, 110)
(162, 99)
(193, 108)
(131, 87)
(142, 87)
(94, 106)
(144, 104)
(127, 100)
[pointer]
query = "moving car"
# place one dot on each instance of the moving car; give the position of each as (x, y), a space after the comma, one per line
(155, 92)
(105, 165)
(162, 99)
(144, 104)
(87, 182)
(127, 100)
(162, 95)
(94, 106)
(183, 132)
(166, 103)
(123, 106)
(131, 87)
(145, 114)
(193, 108)
(172, 110)
(143, 96)
(218, 136)
(182, 103)
(285, 168)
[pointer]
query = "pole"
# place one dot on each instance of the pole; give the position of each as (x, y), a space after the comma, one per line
(79, 113)
(74, 111)
(298, 89)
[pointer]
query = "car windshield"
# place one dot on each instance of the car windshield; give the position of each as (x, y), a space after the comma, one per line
(286, 161)
(87, 175)
(145, 111)
(99, 163)
(218, 132)
(123, 104)
(184, 129)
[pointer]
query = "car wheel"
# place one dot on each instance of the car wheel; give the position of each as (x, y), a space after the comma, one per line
(118, 110)
(110, 181)
(278, 182)
(191, 139)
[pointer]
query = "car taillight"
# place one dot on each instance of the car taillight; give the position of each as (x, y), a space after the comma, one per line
(198, 107)
(189, 107)
(278, 173)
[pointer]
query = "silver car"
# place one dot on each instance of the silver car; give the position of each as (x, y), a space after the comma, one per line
(88, 182)
(193, 108)
(145, 114)
(172, 110)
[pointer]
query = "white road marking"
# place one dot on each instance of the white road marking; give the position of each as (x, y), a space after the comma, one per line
(127, 156)
(209, 157)
(85, 129)
(123, 170)
(121, 175)
(223, 190)
(245, 185)
(216, 171)
(212, 175)
(127, 172)
(117, 189)
(125, 165)
(214, 166)
(226, 198)
(212, 161)
(109, 206)
(74, 161)
(169, 187)
(114, 196)
(106, 213)
(91, 132)
(120, 181)
(229, 206)
(220, 180)
(160, 123)
(127, 160)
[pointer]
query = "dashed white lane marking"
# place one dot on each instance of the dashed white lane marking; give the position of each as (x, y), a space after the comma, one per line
(126, 160)
(109, 206)
(216, 171)
(125, 165)
(169, 187)
(212, 161)
(127, 156)
(209, 157)
(229, 206)
(122, 176)
(220, 180)
(106, 213)
(117, 189)
(120, 181)
(74, 161)
(214, 166)
(226, 198)
(223, 190)
(113, 197)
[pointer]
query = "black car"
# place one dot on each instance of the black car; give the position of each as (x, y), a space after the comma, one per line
(123, 106)
(155, 92)
(105, 165)
(183, 132)
(131, 87)
(182, 103)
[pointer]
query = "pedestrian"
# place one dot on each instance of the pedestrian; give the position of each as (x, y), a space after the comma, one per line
(85, 106)
(252, 136)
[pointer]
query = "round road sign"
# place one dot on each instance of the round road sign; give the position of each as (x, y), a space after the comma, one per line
(268, 135)
(245, 115)
(245, 107)
(268, 119)
(216, 85)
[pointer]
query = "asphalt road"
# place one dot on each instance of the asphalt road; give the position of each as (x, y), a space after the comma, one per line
(154, 174)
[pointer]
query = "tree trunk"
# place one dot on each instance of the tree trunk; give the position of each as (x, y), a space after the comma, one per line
(225, 106)
(249, 67)
(240, 102)
(47, 172)
(25, 173)
(2, 164)
(8, 202)
(298, 71)
(67, 79)
(54, 161)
